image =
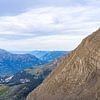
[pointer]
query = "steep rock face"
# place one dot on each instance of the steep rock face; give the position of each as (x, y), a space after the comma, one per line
(77, 77)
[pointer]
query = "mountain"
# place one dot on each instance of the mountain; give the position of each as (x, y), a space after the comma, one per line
(77, 77)
(39, 54)
(12, 63)
(18, 86)
(50, 56)
(20, 52)
(36, 53)
(45, 55)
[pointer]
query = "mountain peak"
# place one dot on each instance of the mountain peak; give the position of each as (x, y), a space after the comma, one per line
(77, 77)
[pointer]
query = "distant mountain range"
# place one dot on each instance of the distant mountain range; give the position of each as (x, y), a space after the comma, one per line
(39, 54)
(50, 56)
(45, 55)
(11, 63)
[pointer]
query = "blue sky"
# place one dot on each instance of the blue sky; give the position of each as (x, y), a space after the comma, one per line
(47, 24)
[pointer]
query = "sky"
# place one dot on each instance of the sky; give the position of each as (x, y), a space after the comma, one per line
(27, 25)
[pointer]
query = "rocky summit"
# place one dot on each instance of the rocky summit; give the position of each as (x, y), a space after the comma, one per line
(77, 77)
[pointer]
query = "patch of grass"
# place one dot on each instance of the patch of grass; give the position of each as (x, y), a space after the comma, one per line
(3, 89)
(35, 71)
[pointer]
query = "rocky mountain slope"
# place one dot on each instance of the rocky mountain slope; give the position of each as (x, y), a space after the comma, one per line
(77, 77)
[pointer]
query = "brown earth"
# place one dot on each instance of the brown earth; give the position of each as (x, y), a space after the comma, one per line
(77, 77)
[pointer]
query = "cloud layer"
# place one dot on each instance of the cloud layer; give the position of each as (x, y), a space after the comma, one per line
(13, 7)
(50, 21)
(32, 27)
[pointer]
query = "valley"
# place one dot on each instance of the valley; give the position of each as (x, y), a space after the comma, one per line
(18, 85)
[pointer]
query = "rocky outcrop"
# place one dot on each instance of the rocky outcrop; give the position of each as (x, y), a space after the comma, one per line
(77, 77)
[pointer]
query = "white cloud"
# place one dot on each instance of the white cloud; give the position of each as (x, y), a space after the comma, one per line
(28, 29)
(54, 42)
(46, 20)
